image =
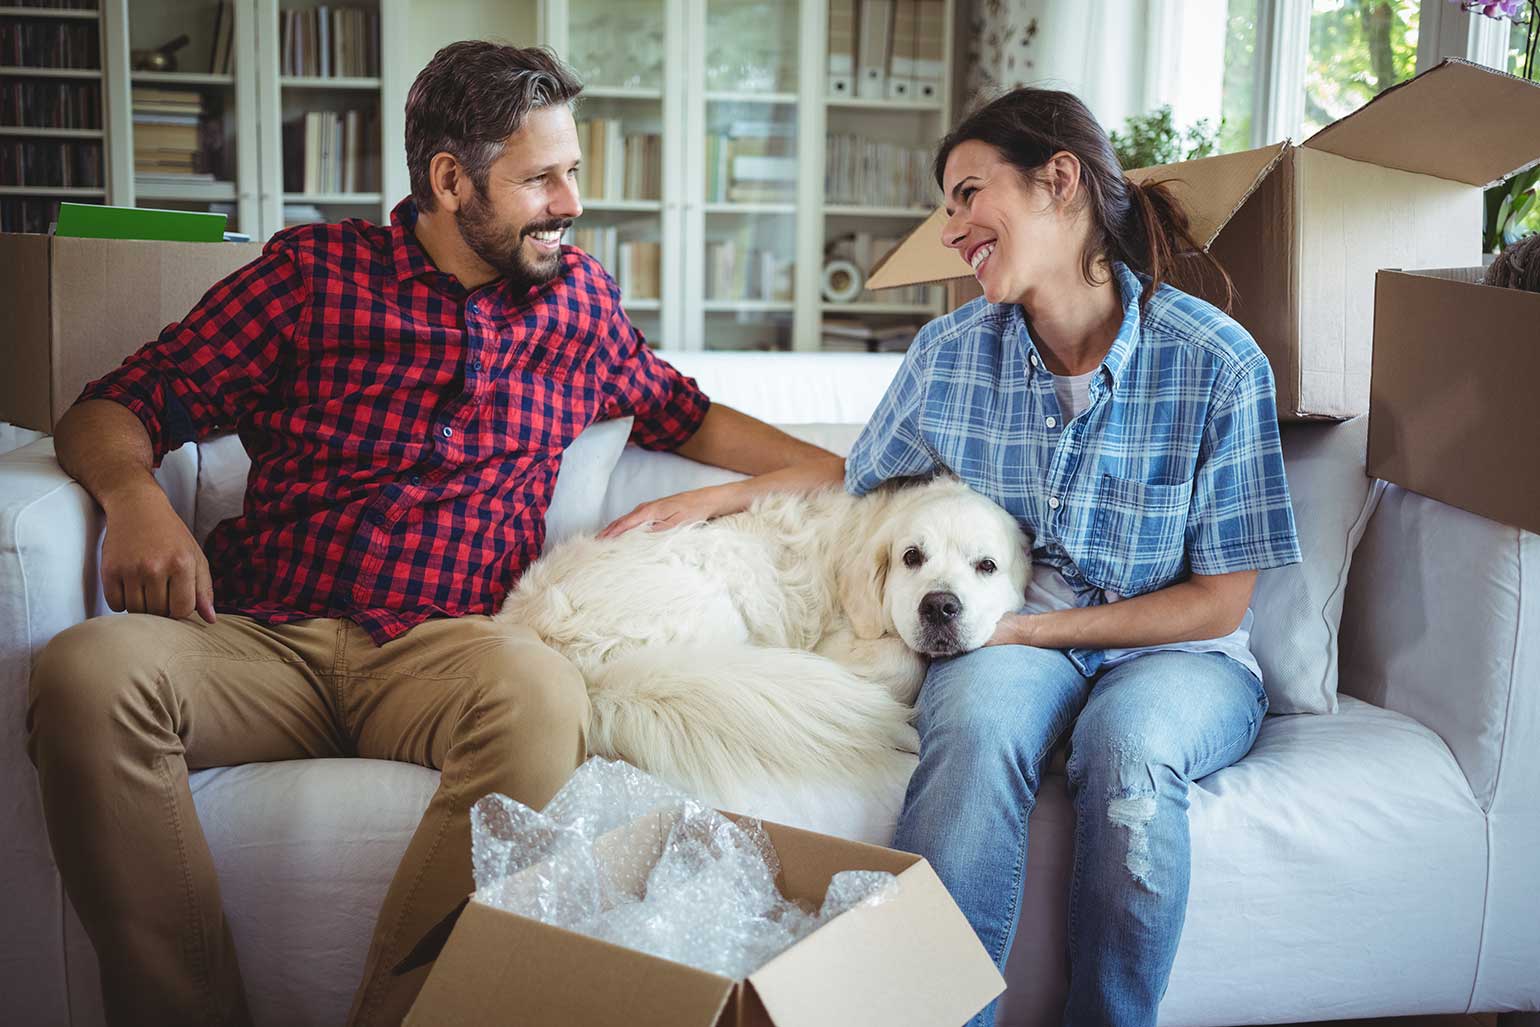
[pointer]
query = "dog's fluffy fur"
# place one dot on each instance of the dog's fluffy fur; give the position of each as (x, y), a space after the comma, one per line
(784, 642)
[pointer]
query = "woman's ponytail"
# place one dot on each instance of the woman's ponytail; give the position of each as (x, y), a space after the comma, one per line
(1159, 242)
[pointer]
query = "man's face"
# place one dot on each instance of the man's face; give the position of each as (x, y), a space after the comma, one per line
(531, 198)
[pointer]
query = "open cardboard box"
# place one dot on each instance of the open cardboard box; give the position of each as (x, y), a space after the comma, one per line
(76, 307)
(1451, 404)
(1303, 229)
(910, 961)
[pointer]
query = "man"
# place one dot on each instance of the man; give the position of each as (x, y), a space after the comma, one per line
(405, 394)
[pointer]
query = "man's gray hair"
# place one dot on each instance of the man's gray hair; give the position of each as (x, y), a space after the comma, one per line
(470, 98)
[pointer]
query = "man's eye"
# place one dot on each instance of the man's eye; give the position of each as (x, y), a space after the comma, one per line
(913, 557)
(985, 566)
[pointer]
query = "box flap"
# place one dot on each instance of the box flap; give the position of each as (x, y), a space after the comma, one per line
(912, 961)
(1212, 190)
(1457, 121)
(499, 968)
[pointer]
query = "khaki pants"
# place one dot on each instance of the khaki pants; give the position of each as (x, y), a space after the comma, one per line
(123, 707)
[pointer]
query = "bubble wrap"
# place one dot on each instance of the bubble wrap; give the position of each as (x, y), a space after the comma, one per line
(709, 899)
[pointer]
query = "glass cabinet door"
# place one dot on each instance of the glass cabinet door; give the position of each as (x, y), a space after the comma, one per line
(619, 51)
(748, 81)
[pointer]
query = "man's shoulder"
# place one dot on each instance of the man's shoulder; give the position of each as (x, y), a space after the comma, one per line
(338, 244)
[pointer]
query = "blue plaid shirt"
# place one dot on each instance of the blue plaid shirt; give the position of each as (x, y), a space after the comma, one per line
(1174, 468)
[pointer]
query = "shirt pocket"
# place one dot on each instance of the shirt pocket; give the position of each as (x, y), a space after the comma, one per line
(1138, 535)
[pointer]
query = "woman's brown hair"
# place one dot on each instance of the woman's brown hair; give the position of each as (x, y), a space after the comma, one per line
(1142, 225)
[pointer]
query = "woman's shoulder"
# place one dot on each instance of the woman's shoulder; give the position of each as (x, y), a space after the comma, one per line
(1178, 317)
(974, 321)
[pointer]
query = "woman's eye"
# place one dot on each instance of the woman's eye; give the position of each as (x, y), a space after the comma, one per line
(985, 567)
(967, 193)
(913, 557)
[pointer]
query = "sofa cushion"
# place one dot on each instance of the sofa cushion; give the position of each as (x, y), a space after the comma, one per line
(575, 503)
(1309, 846)
(1298, 608)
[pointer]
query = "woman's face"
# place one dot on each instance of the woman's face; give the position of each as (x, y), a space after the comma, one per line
(1012, 230)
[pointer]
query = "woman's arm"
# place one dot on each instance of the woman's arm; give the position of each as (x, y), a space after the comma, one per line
(1203, 606)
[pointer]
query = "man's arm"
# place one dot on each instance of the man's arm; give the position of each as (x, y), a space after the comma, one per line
(738, 442)
(1203, 606)
(150, 561)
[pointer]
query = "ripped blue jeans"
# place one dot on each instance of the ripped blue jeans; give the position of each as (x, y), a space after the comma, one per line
(1142, 732)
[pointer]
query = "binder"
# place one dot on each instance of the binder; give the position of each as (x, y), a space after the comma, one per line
(929, 64)
(842, 49)
(901, 77)
(876, 38)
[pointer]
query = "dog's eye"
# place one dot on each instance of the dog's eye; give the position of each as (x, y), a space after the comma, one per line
(985, 566)
(913, 557)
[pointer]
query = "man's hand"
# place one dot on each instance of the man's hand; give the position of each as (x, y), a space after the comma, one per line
(1013, 629)
(682, 508)
(150, 561)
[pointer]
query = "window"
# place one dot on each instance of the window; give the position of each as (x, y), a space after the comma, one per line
(1238, 96)
(1358, 48)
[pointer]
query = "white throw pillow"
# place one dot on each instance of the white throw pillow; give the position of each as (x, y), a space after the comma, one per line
(575, 504)
(1298, 609)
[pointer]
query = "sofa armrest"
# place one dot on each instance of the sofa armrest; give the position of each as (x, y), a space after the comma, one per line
(1441, 622)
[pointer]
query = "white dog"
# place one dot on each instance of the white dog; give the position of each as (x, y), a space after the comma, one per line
(787, 641)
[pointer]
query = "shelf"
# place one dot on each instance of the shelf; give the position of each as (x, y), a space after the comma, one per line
(845, 210)
(334, 82)
(751, 208)
(49, 190)
(749, 306)
(623, 205)
(182, 78)
(858, 104)
(50, 133)
(48, 12)
(733, 97)
(213, 192)
(621, 93)
(50, 72)
(355, 199)
(926, 309)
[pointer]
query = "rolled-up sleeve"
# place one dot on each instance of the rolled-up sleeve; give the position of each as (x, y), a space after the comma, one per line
(668, 407)
(891, 446)
(1240, 516)
(205, 370)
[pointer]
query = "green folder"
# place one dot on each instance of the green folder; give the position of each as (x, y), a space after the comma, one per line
(95, 221)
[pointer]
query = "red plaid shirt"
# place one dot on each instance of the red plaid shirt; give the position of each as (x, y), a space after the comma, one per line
(404, 433)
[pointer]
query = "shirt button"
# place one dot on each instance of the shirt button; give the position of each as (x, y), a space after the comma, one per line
(1053, 502)
(416, 479)
(447, 432)
(1034, 360)
(374, 517)
(1051, 422)
(1070, 572)
(475, 364)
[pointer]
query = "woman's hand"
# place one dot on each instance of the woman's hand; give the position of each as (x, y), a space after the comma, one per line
(1013, 629)
(682, 508)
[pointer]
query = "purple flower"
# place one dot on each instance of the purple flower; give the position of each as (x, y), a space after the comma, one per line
(1510, 9)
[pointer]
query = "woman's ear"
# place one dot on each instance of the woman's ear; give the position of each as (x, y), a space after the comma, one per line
(861, 576)
(1062, 176)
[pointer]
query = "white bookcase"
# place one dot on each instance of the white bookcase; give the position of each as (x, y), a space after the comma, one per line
(683, 70)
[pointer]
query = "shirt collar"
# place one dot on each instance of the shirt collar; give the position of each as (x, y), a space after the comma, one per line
(1129, 289)
(410, 258)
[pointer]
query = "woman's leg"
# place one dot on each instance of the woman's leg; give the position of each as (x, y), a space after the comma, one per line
(986, 720)
(1151, 727)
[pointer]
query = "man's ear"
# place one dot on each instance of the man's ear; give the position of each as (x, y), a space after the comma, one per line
(861, 577)
(448, 181)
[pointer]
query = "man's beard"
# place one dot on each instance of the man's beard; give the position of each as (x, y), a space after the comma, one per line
(501, 247)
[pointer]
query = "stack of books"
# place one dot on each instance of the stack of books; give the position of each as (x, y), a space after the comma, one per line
(39, 43)
(859, 337)
(752, 162)
(329, 42)
(33, 103)
(640, 270)
(738, 270)
(166, 133)
(222, 56)
(871, 172)
(618, 165)
(331, 152)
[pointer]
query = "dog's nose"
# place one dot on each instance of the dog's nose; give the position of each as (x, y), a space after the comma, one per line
(939, 607)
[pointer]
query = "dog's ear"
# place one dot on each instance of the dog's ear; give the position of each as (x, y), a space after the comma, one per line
(861, 576)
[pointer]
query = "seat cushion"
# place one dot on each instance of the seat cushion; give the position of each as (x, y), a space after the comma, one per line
(1328, 857)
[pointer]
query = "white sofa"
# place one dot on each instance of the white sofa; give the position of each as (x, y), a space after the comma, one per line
(1375, 861)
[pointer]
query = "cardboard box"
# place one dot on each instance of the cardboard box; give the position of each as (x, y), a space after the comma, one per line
(76, 307)
(911, 961)
(1451, 404)
(1303, 229)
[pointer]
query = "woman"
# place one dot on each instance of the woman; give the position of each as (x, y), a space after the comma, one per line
(1131, 429)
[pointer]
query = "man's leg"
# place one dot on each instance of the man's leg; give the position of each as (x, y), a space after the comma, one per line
(495, 710)
(121, 707)
(986, 721)
(1151, 727)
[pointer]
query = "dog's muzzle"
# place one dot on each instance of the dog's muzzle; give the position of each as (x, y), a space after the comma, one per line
(938, 623)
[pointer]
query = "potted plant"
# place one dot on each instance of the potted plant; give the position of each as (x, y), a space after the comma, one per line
(1513, 207)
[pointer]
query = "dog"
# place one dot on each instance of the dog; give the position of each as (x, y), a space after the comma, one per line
(787, 642)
